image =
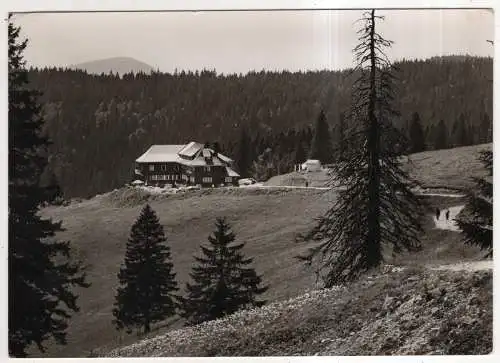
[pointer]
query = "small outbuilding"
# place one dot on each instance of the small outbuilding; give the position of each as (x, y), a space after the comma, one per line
(311, 165)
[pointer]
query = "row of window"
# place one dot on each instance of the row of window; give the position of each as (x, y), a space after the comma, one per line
(165, 177)
(206, 179)
(163, 167)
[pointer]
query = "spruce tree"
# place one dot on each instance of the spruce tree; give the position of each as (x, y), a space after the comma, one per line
(430, 135)
(49, 182)
(321, 147)
(342, 144)
(441, 136)
(41, 270)
(263, 168)
(223, 282)
(476, 219)
(244, 154)
(416, 134)
(485, 133)
(299, 153)
(377, 206)
(147, 281)
(216, 147)
(460, 132)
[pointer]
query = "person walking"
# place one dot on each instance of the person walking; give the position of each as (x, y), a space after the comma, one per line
(438, 213)
(307, 183)
(448, 214)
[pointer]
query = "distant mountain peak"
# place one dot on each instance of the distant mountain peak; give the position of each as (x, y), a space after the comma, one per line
(120, 65)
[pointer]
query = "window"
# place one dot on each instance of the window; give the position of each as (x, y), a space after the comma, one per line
(207, 168)
(191, 179)
(207, 179)
(151, 167)
(229, 179)
(154, 177)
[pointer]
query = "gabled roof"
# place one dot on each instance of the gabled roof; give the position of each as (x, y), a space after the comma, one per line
(192, 154)
(160, 153)
(191, 149)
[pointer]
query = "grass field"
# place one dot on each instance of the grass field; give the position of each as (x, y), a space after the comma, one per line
(267, 220)
(441, 169)
(449, 168)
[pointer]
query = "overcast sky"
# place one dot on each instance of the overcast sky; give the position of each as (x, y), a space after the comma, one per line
(242, 41)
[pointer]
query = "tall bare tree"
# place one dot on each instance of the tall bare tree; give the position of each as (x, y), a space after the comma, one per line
(377, 206)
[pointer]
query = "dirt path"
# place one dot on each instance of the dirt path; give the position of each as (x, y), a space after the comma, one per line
(448, 224)
(465, 266)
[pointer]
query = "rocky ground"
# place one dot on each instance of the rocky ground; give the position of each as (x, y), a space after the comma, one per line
(397, 312)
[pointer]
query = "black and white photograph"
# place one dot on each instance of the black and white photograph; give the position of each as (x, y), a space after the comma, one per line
(250, 182)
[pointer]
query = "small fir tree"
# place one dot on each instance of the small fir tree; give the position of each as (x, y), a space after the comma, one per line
(321, 147)
(476, 219)
(147, 281)
(48, 180)
(263, 168)
(416, 134)
(299, 152)
(485, 133)
(244, 154)
(342, 144)
(460, 134)
(41, 271)
(441, 136)
(223, 280)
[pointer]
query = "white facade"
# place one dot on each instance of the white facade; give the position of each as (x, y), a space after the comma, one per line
(311, 165)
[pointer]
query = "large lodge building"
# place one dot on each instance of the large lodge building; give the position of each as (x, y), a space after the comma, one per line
(190, 164)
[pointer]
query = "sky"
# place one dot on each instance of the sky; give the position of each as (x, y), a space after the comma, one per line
(237, 42)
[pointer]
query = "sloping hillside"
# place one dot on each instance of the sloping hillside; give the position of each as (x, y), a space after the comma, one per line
(404, 312)
(268, 220)
(98, 228)
(449, 168)
(437, 169)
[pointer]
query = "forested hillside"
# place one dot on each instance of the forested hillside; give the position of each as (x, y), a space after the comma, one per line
(100, 124)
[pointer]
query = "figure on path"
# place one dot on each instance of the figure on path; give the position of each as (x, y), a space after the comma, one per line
(447, 214)
(307, 183)
(438, 213)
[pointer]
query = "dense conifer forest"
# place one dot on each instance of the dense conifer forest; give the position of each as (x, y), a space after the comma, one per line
(100, 124)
